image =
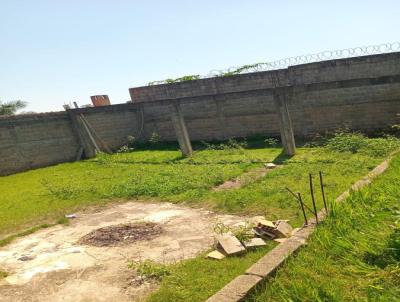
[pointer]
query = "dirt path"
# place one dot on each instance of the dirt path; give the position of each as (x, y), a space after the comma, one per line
(51, 264)
(245, 178)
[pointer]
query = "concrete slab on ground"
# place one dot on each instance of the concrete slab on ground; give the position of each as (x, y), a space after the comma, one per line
(58, 268)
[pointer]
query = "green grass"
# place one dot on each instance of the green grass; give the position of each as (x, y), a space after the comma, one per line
(353, 256)
(44, 196)
(39, 198)
(197, 279)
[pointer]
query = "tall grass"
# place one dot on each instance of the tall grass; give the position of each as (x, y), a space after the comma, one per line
(353, 256)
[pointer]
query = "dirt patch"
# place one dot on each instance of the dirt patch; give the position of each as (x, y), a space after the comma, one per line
(52, 264)
(114, 235)
(245, 178)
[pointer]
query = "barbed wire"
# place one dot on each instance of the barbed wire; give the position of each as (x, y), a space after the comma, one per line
(293, 61)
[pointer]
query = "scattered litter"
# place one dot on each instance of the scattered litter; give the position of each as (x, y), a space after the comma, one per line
(254, 242)
(215, 255)
(71, 216)
(230, 244)
(26, 258)
(280, 240)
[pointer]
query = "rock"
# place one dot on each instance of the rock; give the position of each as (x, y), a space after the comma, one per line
(215, 255)
(254, 242)
(270, 166)
(230, 244)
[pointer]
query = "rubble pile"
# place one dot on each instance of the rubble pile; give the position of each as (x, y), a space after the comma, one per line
(252, 234)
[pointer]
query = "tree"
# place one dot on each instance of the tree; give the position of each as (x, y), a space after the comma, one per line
(11, 107)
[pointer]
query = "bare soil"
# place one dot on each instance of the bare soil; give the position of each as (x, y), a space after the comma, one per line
(54, 265)
(122, 234)
(244, 179)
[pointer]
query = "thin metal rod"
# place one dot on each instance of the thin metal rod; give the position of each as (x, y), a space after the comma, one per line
(302, 208)
(321, 182)
(313, 199)
(307, 207)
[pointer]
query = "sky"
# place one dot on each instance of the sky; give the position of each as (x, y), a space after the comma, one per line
(58, 51)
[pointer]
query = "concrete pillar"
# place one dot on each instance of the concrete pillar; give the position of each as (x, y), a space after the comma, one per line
(285, 123)
(180, 129)
(84, 140)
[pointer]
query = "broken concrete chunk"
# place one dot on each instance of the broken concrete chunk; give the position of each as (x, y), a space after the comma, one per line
(283, 229)
(215, 255)
(266, 234)
(280, 240)
(240, 224)
(294, 231)
(230, 244)
(255, 219)
(265, 223)
(254, 242)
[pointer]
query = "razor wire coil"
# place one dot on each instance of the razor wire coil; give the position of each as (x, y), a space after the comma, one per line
(297, 60)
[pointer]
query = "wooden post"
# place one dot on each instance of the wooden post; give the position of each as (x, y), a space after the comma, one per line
(180, 129)
(285, 123)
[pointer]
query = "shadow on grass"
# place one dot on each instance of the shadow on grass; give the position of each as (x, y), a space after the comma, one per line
(281, 158)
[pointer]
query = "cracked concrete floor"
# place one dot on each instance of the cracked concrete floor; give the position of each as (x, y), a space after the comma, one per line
(57, 268)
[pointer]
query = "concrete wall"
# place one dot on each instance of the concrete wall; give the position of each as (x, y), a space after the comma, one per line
(362, 93)
(32, 141)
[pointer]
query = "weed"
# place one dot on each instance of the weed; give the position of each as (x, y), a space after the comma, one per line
(347, 142)
(355, 142)
(241, 232)
(149, 269)
(154, 138)
(177, 80)
(271, 142)
(44, 195)
(3, 274)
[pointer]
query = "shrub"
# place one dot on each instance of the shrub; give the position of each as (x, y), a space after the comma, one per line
(231, 144)
(356, 142)
(271, 142)
(346, 142)
(154, 138)
(130, 146)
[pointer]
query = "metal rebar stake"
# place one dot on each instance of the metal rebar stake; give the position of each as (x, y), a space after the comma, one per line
(313, 199)
(321, 182)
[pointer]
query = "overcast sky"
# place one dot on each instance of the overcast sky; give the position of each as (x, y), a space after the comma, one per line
(54, 52)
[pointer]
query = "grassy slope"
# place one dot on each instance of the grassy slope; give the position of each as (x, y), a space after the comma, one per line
(197, 279)
(353, 256)
(45, 195)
